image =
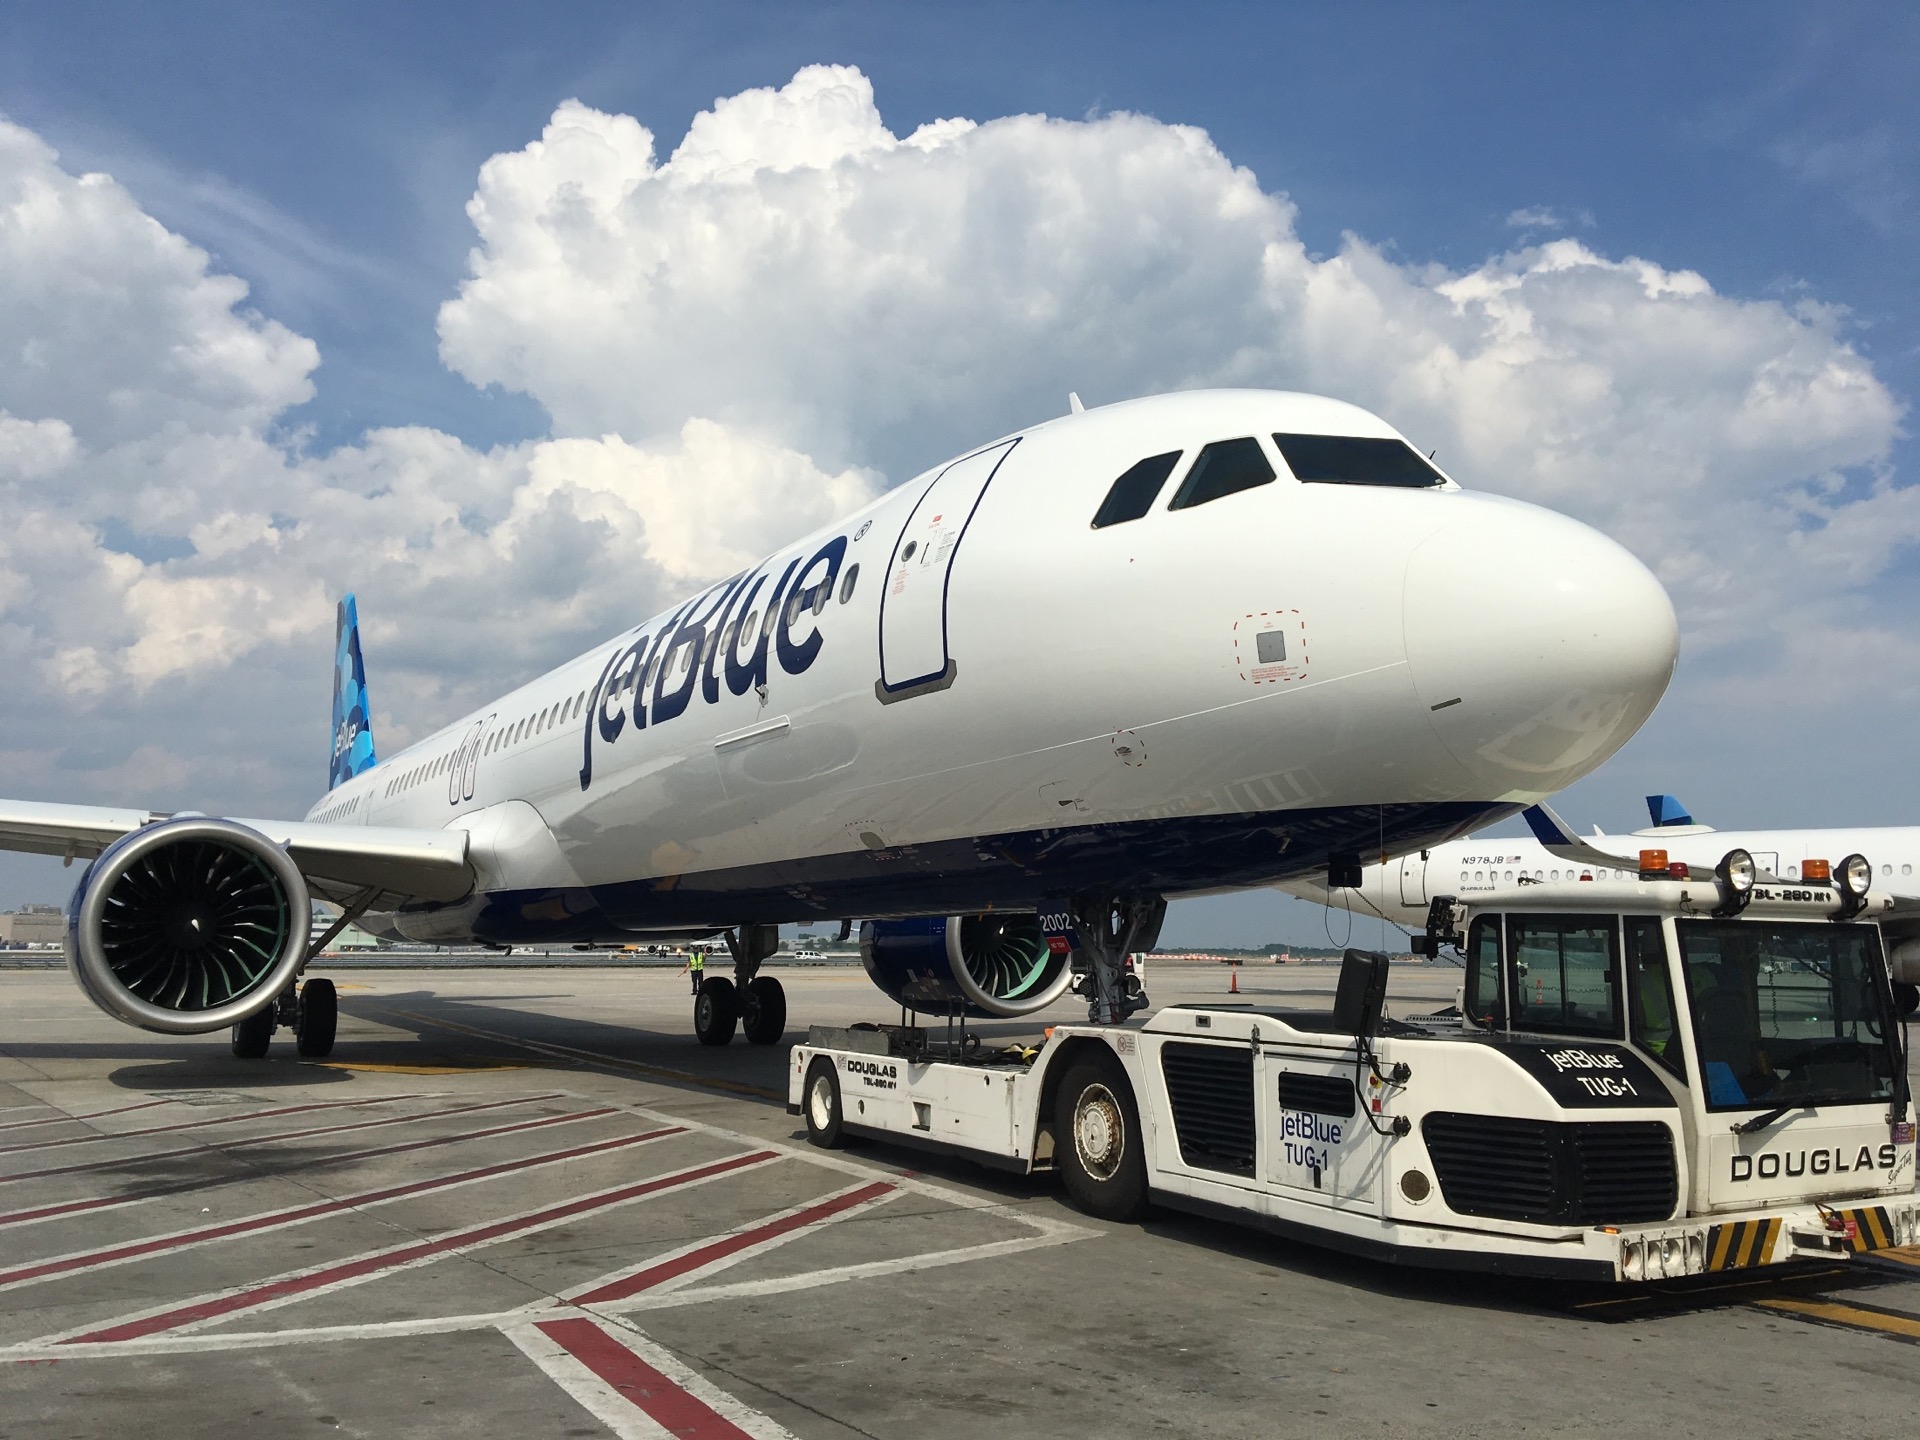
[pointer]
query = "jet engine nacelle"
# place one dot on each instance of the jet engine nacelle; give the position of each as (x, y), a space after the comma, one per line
(990, 965)
(188, 925)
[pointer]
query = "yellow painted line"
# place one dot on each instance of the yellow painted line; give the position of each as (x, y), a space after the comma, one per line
(594, 1057)
(472, 1067)
(1905, 1255)
(1907, 1327)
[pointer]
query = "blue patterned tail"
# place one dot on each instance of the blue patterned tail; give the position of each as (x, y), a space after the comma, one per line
(352, 724)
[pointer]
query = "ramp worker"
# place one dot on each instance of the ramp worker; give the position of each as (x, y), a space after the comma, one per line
(697, 966)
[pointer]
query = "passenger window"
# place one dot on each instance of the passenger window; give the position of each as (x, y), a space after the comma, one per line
(1565, 974)
(848, 581)
(1354, 460)
(1133, 493)
(1483, 1000)
(1650, 995)
(1223, 468)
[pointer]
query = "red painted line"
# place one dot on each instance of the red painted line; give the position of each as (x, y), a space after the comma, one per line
(101, 1202)
(243, 1143)
(733, 1244)
(682, 1415)
(280, 1219)
(69, 1119)
(368, 1265)
(201, 1124)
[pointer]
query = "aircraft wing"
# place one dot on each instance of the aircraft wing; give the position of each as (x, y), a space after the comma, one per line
(1558, 838)
(338, 861)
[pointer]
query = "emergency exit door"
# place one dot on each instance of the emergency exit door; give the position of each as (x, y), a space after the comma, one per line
(914, 657)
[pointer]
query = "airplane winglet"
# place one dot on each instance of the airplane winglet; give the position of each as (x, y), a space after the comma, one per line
(1558, 838)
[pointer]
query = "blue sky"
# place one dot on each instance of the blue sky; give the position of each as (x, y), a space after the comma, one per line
(325, 154)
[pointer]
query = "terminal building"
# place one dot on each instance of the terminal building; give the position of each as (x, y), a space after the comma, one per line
(32, 925)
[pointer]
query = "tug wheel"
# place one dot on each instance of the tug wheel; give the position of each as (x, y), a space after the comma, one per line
(1096, 1140)
(716, 1011)
(763, 1010)
(820, 1103)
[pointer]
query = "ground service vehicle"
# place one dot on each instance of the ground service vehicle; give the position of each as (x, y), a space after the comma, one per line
(1645, 1078)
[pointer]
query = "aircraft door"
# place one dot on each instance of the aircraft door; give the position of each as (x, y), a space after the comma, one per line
(466, 762)
(913, 604)
(1413, 879)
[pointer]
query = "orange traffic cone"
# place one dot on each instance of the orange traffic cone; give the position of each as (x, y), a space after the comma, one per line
(1233, 982)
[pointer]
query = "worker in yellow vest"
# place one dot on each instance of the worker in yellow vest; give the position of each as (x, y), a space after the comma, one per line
(697, 966)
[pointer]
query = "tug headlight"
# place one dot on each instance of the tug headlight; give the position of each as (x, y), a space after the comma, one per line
(1736, 871)
(1856, 876)
(1735, 874)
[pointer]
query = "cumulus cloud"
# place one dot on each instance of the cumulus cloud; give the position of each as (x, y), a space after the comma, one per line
(796, 267)
(739, 341)
(169, 561)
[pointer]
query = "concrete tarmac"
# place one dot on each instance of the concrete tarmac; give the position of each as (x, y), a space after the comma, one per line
(524, 1202)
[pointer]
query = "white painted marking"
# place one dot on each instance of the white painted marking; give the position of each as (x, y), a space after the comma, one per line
(594, 1395)
(617, 1411)
(573, 1209)
(82, 1262)
(745, 1252)
(838, 1275)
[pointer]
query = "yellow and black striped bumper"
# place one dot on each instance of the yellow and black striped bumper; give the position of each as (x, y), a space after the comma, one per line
(1868, 1228)
(1742, 1243)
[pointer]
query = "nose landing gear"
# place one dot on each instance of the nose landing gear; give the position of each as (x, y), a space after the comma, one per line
(1108, 930)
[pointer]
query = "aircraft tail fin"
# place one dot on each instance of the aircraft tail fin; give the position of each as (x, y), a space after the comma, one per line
(352, 722)
(1666, 810)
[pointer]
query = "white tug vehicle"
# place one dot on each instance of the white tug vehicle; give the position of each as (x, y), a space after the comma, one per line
(1643, 1079)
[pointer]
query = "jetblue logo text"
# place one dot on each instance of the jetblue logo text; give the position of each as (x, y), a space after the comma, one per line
(1595, 1082)
(727, 636)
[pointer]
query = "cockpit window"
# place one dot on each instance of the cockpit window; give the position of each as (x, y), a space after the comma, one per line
(1133, 493)
(1354, 460)
(1224, 467)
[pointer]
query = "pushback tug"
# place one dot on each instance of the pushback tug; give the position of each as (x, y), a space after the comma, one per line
(1643, 1079)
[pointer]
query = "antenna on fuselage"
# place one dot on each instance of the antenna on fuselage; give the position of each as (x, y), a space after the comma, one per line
(1074, 405)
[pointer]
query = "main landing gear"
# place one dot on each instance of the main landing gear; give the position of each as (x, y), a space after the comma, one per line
(754, 1002)
(312, 1013)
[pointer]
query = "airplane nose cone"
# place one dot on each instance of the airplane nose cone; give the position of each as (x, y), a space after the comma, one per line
(1538, 645)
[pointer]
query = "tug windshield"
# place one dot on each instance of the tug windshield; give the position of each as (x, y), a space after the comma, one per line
(1786, 1014)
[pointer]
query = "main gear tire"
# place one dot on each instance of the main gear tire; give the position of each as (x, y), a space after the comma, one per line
(252, 1035)
(319, 1019)
(716, 1011)
(763, 1010)
(1097, 1143)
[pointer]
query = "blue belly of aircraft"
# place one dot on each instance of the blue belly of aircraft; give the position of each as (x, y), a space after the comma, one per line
(993, 872)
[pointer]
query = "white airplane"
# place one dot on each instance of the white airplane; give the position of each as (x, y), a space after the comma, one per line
(1401, 890)
(1177, 645)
